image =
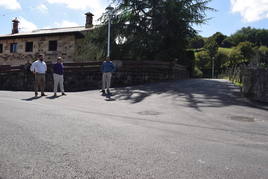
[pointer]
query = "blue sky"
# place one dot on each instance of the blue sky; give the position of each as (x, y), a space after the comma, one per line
(231, 15)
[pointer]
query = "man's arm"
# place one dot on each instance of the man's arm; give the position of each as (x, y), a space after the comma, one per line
(33, 68)
(114, 68)
(102, 67)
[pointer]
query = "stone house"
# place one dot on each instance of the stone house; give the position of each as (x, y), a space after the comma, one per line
(19, 48)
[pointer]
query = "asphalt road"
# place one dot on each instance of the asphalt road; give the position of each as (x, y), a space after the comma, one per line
(183, 129)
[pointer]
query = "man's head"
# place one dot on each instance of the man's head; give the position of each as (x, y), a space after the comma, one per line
(108, 59)
(40, 57)
(59, 60)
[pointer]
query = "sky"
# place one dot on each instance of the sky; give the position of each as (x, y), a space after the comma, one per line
(230, 15)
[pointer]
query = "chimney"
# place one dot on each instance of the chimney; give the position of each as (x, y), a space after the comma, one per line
(89, 19)
(15, 28)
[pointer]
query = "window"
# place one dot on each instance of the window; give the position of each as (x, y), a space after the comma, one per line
(28, 46)
(13, 47)
(1, 48)
(52, 46)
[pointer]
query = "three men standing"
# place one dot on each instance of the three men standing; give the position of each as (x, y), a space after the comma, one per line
(107, 68)
(58, 76)
(39, 69)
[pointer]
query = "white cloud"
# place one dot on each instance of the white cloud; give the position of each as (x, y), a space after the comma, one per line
(25, 25)
(42, 8)
(66, 23)
(97, 7)
(250, 10)
(10, 4)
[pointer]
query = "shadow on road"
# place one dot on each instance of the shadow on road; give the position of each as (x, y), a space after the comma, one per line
(53, 97)
(32, 98)
(195, 93)
(38, 97)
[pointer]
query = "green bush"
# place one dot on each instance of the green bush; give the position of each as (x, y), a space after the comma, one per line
(203, 60)
(263, 52)
(222, 59)
(235, 57)
(197, 73)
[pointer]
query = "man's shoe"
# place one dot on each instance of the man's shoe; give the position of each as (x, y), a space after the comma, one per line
(43, 94)
(63, 94)
(55, 95)
(108, 92)
(103, 92)
(36, 94)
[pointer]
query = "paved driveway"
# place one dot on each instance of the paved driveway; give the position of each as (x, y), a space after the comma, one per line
(183, 129)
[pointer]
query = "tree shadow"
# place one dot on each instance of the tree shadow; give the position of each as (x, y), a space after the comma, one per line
(195, 93)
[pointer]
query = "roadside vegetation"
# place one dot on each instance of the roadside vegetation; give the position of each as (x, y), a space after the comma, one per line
(248, 46)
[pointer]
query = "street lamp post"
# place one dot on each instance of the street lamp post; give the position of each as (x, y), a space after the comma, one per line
(109, 9)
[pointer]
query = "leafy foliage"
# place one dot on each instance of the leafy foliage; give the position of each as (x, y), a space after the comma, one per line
(203, 60)
(156, 29)
(91, 48)
(246, 50)
(196, 42)
(247, 46)
(256, 36)
(218, 38)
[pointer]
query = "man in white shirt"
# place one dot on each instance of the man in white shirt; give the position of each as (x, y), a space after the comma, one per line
(39, 69)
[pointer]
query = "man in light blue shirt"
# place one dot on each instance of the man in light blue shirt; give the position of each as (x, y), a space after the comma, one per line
(107, 68)
(39, 69)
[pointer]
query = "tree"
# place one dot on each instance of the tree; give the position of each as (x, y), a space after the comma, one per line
(196, 42)
(218, 37)
(235, 57)
(203, 60)
(246, 50)
(263, 52)
(227, 43)
(92, 47)
(256, 36)
(212, 47)
(156, 29)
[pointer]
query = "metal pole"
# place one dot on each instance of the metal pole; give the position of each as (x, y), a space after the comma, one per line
(109, 34)
(212, 73)
(109, 10)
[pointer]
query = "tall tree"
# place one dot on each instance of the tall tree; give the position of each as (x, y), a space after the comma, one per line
(156, 29)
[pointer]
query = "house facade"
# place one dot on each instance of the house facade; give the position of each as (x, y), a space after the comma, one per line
(19, 48)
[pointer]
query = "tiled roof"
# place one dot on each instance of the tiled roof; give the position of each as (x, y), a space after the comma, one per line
(40, 32)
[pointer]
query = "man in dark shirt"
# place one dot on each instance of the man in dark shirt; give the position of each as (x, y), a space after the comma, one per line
(58, 76)
(107, 68)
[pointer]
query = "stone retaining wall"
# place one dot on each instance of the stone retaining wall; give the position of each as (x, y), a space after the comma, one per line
(255, 83)
(85, 76)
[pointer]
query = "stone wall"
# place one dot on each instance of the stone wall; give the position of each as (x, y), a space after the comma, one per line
(255, 83)
(85, 76)
(65, 48)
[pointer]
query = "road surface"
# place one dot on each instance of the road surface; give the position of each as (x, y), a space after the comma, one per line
(184, 129)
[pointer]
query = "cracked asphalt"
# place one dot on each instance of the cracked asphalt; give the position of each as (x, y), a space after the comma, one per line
(197, 128)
